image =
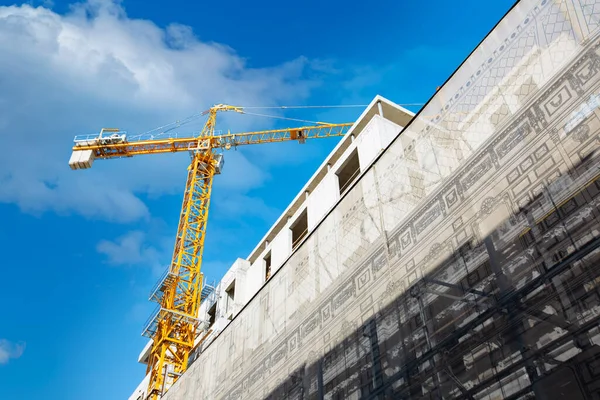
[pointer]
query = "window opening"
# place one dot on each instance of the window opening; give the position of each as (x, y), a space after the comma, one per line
(212, 313)
(348, 172)
(299, 229)
(230, 292)
(267, 266)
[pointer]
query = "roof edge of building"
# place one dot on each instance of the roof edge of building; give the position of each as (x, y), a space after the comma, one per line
(398, 114)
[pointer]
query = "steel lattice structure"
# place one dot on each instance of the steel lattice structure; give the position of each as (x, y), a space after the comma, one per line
(173, 327)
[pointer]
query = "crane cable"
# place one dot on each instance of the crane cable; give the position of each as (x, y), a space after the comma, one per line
(304, 120)
(179, 123)
(331, 106)
(170, 127)
(286, 107)
(285, 118)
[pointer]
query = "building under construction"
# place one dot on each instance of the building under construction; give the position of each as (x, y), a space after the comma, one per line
(450, 254)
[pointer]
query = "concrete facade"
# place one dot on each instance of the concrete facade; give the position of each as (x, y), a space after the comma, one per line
(462, 262)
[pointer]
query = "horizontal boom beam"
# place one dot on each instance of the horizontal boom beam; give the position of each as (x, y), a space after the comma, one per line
(116, 145)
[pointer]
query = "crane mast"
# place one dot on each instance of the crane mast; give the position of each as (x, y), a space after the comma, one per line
(173, 326)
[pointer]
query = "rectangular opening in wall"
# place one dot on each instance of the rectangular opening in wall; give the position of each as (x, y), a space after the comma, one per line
(299, 229)
(230, 293)
(267, 266)
(348, 172)
(212, 314)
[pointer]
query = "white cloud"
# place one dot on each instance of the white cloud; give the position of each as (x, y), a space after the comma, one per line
(63, 75)
(148, 250)
(10, 350)
(133, 248)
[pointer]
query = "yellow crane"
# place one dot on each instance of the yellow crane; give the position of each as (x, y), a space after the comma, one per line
(173, 327)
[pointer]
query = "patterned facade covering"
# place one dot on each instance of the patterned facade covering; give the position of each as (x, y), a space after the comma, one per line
(465, 262)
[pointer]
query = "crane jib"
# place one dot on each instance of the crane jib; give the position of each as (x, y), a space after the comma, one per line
(85, 151)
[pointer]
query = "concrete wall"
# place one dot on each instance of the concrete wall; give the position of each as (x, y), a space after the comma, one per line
(256, 276)
(226, 308)
(375, 137)
(488, 143)
(281, 248)
(371, 141)
(322, 199)
(140, 392)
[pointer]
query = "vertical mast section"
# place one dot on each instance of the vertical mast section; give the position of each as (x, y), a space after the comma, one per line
(174, 329)
(173, 326)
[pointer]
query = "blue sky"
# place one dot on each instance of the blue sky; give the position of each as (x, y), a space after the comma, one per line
(81, 249)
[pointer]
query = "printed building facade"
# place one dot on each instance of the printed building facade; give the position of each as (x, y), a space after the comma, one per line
(463, 259)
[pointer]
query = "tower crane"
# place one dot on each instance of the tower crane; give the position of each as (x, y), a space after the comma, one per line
(174, 326)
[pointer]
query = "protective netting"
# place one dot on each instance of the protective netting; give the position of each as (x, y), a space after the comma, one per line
(464, 263)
